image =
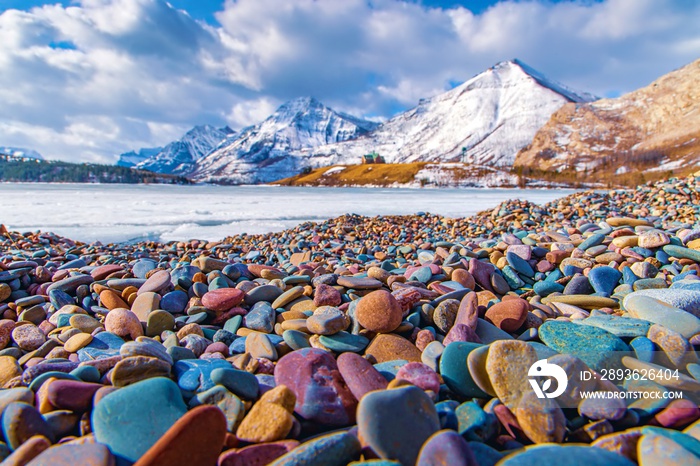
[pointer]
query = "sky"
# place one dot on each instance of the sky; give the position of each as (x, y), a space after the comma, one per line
(85, 80)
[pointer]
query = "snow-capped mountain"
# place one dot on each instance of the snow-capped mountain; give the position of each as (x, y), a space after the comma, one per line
(20, 152)
(485, 121)
(179, 157)
(280, 145)
(133, 158)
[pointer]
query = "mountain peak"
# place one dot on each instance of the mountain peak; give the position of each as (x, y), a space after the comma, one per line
(569, 93)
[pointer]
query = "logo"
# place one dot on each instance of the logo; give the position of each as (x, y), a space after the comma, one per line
(544, 369)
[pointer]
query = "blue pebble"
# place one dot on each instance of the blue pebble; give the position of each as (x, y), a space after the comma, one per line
(546, 288)
(628, 276)
(604, 279)
(60, 298)
(238, 346)
(519, 264)
(570, 270)
(142, 266)
(594, 240)
(174, 302)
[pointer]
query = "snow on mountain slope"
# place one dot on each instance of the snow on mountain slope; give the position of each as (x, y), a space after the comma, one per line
(280, 145)
(132, 158)
(179, 157)
(20, 152)
(485, 120)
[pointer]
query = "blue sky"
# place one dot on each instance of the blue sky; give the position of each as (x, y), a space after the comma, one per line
(89, 79)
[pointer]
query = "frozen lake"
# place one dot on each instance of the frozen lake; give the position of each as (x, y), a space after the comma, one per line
(112, 213)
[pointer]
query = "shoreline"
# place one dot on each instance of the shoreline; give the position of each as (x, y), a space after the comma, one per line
(252, 346)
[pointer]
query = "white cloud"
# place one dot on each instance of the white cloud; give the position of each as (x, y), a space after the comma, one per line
(88, 81)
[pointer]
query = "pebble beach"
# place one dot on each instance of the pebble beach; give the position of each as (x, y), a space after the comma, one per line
(392, 340)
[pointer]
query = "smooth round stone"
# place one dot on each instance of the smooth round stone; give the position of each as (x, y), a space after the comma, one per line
(508, 315)
(446, 447)
(288, 296)
(422, 274)
(9, 369)
(25, 453)
(261, 318)
(20, 422)
(222, 299)
(359, 375)
(87, 373)
(476, 364)
(156, 282)
(678, 350)
(259, 346)
(158, 322)
(681, 252)
(379, 311)
(174, 302)
(297, 339)
(144, 304)
(389, 347)
(522, 266)
(322, 396)
(604, 279)
(257, 455)
(72, 454)
(195, 438)
(420, 375)
(240, 383)
(77, 341)
(326, 295)
(359, 283)
(267, 293)
(678, 414)
(596, 409)
(507, 364)
(145, 411)
(137, 368)
(561, 455)
(342, 342)
(659, 312)
(623, 327)
(142, 266)
(123, 323)
(454, 370)
(500, 285)
(658, 450)
(144, 348)
(5, 291)
(11, 395)
(445, 314)
(596, 347)
(194, 375)
(432, 353)
(329, 450)
(582, 301)
(84, 323)
(688, 300)
(270, 419)
(326, 320)
(28, 337)
(383, 417)
(72, 395)
(578, 285)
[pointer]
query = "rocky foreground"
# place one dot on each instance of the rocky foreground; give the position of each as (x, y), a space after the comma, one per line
(380, 341)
